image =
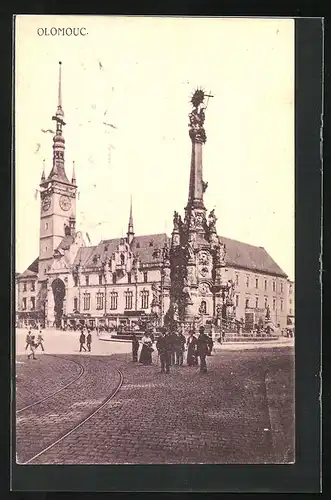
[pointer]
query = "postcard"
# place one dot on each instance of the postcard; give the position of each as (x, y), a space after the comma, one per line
(155, 240)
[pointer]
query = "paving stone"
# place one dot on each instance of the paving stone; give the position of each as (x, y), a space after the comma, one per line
(179, 418)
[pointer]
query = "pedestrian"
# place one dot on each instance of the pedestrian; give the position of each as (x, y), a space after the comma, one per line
(152, 336)
(222, 336)
(28, 339)
(192, 349)
(202, 348)
(146, 350)
(172, 345)
(210, 344)
(135, 348)
(82, 341)
(213, 332)
(40, 340)
(179, 348)
(163, 346)
(32, 347)
(89, 340)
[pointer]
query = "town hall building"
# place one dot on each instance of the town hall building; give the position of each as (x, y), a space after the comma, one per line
(193, 275)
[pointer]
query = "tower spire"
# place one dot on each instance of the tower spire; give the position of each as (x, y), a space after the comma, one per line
(58, 170)
(130, 233)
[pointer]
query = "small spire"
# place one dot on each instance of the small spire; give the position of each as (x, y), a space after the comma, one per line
(130, 217)
(59, 101)
(73, 178)
(43, 177)
(130, 233)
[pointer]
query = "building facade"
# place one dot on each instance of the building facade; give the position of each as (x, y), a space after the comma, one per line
(290, 303)
(193, 275)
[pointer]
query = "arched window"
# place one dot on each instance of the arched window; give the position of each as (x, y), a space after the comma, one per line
(144, 299)
(113, 300)
(128, 299)
(75, 304)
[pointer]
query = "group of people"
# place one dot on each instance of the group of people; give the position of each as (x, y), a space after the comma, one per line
(171, 347)
(32, 343)
(85, 339)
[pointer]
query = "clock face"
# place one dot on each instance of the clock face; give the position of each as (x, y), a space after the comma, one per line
(46, 203)
(65, 203)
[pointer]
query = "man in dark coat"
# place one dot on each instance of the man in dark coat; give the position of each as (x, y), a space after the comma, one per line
(164, 347)
(82, 342)
(172, 338)
(89, 340)
(135, 348)
(202, 348)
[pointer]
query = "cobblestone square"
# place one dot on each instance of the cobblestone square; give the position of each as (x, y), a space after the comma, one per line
(101, 408)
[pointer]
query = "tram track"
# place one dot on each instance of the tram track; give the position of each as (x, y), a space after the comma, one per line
(78, 425)
(52, 394)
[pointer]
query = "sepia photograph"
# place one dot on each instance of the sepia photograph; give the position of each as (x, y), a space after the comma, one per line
(154, 240)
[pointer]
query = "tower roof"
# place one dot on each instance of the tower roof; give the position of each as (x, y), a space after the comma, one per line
(250, 257)
(58, 170)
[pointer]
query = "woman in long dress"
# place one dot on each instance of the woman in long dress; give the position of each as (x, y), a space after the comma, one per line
(146, 350)
(192, 350)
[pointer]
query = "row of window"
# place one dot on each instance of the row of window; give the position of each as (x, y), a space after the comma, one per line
(257, 303)
(257, 283)
(32, 286)
(114, 279)
(32, 304)
(100, 300)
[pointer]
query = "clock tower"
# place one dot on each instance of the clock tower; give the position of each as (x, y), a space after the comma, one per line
(57, 197)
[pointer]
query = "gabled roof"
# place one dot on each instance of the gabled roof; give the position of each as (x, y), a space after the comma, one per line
(250, 257)
(238, 254)
(145, 246)
(32, 270)
(66, 242)
(82, 255)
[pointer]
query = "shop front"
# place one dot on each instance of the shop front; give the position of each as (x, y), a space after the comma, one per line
(28, 319)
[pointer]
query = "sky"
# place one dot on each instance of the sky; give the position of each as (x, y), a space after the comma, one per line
(137, 74)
